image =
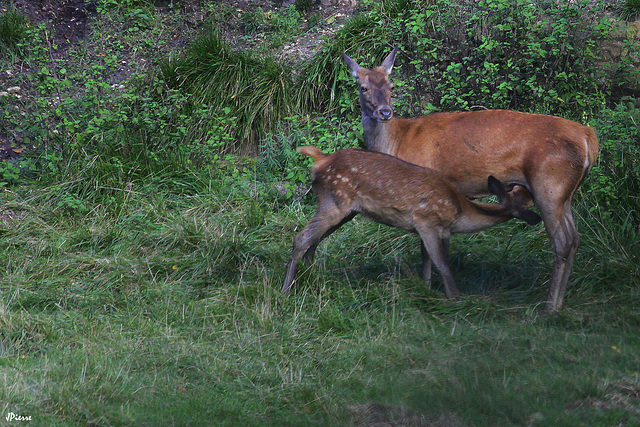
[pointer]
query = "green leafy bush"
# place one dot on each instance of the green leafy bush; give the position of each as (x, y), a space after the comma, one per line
(531, 56)
(614, 182)
(279, 160)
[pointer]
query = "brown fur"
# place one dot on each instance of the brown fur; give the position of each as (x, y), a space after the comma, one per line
(548, 155)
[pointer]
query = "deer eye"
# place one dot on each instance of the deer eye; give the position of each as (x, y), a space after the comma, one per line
(364, 88)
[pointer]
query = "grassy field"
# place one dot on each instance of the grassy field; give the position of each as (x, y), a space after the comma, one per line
(142, 259)
(166, 309)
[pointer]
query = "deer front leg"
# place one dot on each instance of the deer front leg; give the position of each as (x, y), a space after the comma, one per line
(437, 248)
(427, 265)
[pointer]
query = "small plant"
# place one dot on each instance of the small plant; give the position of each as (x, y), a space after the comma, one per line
(71, 204)
(286, 20)
(15, 172)
(255, 20)
(303, 6)
(139, 19)
(221, 14)
(104, 6)
(280, 24)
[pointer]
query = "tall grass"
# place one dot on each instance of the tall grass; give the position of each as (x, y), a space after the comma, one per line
(255, 91)
(323, 82)
(169, 309)
(13, 29)
(628, 9)
(261, 92)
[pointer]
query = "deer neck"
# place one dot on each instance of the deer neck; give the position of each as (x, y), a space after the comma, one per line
(377, 135)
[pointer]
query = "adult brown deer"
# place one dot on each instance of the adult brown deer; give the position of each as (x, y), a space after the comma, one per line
(391, 191)
(548, 155)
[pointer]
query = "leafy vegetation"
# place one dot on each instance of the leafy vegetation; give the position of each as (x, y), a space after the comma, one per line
(143, 255)
(533, 56)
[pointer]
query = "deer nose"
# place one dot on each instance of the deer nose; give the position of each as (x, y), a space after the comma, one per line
(384, 113)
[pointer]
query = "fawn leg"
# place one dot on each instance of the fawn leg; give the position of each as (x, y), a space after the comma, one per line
(325, 222)
(438, 249)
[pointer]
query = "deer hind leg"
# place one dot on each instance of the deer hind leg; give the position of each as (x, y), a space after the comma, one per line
(437, 249)
(305, 243)
(310, 253)
(564, 242)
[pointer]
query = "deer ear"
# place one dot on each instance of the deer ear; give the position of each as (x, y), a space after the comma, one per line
(354, 67)
(496, 187)
(387, 64)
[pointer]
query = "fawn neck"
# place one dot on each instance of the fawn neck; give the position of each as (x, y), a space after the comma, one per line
(478, 216)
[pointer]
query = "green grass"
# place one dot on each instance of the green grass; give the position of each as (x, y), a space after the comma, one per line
(169, 310)
(628, 9)
(13, 28)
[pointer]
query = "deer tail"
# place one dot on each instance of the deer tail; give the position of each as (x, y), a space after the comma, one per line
(593, 147)
(311, 151)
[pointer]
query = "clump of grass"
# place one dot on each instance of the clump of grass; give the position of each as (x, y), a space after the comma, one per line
(629, 10)
(13, 28)
(257, 91)
(254, 20)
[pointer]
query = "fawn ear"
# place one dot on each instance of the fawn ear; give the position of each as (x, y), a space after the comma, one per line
(496, 187)
(530, 217)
